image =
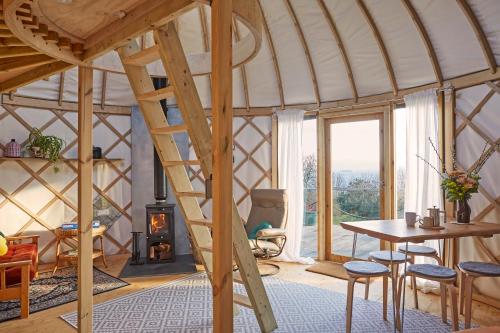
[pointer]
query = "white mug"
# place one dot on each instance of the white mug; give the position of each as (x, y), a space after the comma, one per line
(411, 218)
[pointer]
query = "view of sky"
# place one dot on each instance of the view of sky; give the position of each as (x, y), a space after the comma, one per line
(356, 144)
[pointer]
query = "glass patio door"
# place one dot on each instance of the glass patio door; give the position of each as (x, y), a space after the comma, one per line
(354, 181)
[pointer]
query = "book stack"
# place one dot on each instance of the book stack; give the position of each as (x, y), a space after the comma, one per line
(74, 226)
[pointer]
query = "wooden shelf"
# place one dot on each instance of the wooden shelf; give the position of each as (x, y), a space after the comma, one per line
(100, 160)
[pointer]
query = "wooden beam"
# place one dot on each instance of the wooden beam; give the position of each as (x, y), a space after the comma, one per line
(85, 184)
(381, 45)
(222, 144)
(341, 47)
(242, 67)
(17, 51)
(481, 37)
(425, 38)
(39, 103)
(61, 89)
(34, 74)
(103, 89)
(302, 39)
(273, 55)
(18, 63)
(206, 38)
(150, 14)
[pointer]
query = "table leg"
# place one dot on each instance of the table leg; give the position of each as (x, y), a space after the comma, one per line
(354, 241)
(404, 289)
(393, 290)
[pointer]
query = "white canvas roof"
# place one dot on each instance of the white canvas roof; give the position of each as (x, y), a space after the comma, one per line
(314, 68)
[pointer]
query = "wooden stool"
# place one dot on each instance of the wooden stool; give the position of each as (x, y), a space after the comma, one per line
(421, 251)
(363, 269)
(469, 271)
(384, 258)
(446, 277)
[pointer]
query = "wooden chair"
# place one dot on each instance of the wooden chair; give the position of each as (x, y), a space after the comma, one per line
(19, 290)
(384, 258)
(471, 270)
(419, 251)
(446, 277)
(364, 269)
(18, 267)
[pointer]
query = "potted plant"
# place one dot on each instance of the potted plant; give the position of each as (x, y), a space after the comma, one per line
(44, 146)
(459, 185)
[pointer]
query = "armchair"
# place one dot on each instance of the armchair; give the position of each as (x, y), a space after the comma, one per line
(271, 206)
(18, 267)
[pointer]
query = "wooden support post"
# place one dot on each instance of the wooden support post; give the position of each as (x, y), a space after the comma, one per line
(85, 181)
(222, 144)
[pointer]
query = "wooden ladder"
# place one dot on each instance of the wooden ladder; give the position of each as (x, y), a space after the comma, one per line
(168, 48)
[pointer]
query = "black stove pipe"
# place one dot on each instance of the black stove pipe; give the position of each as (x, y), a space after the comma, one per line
(160, 180)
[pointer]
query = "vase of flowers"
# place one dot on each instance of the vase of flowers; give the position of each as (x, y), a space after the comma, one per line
(458, 184)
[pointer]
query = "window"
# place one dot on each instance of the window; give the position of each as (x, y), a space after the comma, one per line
(309, 160)
(399, 160)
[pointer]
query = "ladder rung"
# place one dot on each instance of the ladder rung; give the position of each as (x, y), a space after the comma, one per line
(242, 300)
(157, 95)
(203, 222)
(143, 57)
(195, 194)
(181, 162)
(205, 248)
(169, 129)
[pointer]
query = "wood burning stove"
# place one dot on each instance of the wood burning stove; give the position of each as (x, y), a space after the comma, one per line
(160, 233)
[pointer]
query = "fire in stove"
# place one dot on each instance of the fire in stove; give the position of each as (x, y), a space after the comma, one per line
(160, 233)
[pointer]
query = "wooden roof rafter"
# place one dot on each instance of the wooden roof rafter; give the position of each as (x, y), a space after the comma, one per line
(273, 56)
(340, 45)
(426, 40)
(381, 45)
(237, 37)
(478, 31)
(205, 35)
(303, 41)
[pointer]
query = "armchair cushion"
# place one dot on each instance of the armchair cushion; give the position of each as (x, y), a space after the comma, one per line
(20, 252)
(257, 229)
(264, 245)
(271, 232)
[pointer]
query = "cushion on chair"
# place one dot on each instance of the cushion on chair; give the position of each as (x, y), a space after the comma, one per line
(365, 268)
(19, 252)
(417, 249)
(272, 232)
(483, 268)
(430, 271)
(397, 257)
(264, 245)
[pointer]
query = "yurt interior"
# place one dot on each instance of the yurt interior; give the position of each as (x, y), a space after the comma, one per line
(249, 166)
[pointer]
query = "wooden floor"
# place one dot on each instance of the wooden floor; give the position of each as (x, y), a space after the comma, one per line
(49, 321)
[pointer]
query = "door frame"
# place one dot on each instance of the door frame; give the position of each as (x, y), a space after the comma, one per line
(384, 114)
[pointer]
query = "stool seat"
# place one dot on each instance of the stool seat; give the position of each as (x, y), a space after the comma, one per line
(365, 268)
(483, 268)
(385, 256)
(430, 271)
(417, 249)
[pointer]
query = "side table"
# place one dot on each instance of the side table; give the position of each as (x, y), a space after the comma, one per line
(72, 255)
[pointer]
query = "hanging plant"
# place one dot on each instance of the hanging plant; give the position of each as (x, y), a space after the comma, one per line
(45, 146)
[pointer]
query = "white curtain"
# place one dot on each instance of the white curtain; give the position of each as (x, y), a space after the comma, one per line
(422, 183)
(291, 178)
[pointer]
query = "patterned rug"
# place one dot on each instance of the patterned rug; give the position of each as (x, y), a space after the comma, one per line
(48, 291)
(185, 305)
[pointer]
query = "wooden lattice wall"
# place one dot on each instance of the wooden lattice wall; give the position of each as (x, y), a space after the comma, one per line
(252, 161)
(477, 129)
(34, 199)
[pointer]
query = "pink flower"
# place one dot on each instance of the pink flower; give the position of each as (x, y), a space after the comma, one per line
(457, 173)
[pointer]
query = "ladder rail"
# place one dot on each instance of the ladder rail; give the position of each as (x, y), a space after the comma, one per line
(195, 122)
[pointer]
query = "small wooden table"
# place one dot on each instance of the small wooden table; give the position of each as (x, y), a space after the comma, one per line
(396, 231)
(72, 255)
